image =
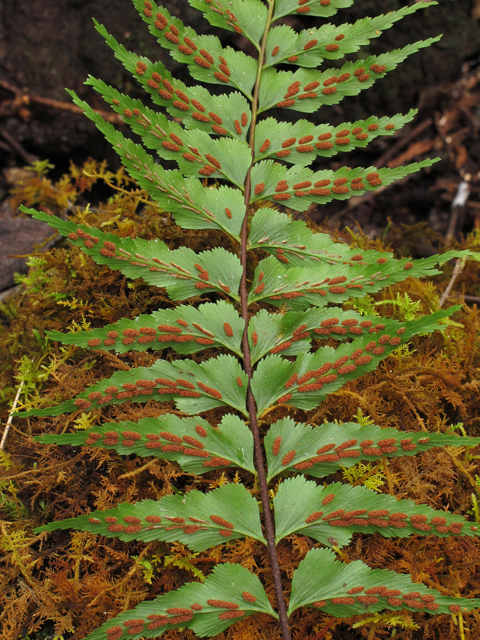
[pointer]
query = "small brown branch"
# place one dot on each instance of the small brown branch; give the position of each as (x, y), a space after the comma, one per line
(10, 417)
(16, 146)
(139, 470)
(458, 206)
(22, 100)
(324, 631)
(472, 298)
(456, 272)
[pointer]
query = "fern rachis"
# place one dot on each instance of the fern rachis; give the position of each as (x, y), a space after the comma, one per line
(268, 366)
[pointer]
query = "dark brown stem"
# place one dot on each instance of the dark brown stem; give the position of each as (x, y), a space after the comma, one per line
(251, 405)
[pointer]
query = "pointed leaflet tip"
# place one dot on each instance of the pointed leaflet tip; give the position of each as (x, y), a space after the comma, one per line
(205, 108)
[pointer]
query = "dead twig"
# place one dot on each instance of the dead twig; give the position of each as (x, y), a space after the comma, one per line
(16, 146)
(456, 272)
(23, 100)
(458, 205)
(10, 417)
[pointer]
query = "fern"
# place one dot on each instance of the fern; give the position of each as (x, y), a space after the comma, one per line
(266, 361)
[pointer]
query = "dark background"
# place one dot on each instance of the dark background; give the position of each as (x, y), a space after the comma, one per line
(47, 45)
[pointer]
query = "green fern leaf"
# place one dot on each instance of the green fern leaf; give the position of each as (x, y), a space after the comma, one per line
(300, 186)
(192, 442)
(196, 519)
(229, 594)
(293, 331)
(355, 77)
(323, 450)
(293, 243)
(343, 590)
(340, 510)
(269, 365)
(183, 272)
(195, 387)
(304, 143)
(184, 329)
(301, 288)
(308, 380)
(311, 46)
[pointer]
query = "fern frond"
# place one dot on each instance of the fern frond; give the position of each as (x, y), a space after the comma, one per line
(301, 288)
(195, 387)
(305, 382)
(184, 329)
(197, 519)
(182, 272)
(229, 594)
(192, 442)
(269, 365)
(340, 510)
(293, 243)
(311, 46)
(300, 186)
(354, 588)
(289, 334)
(323, 450)
(181, 196)
(349, 80)
(305, 143)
